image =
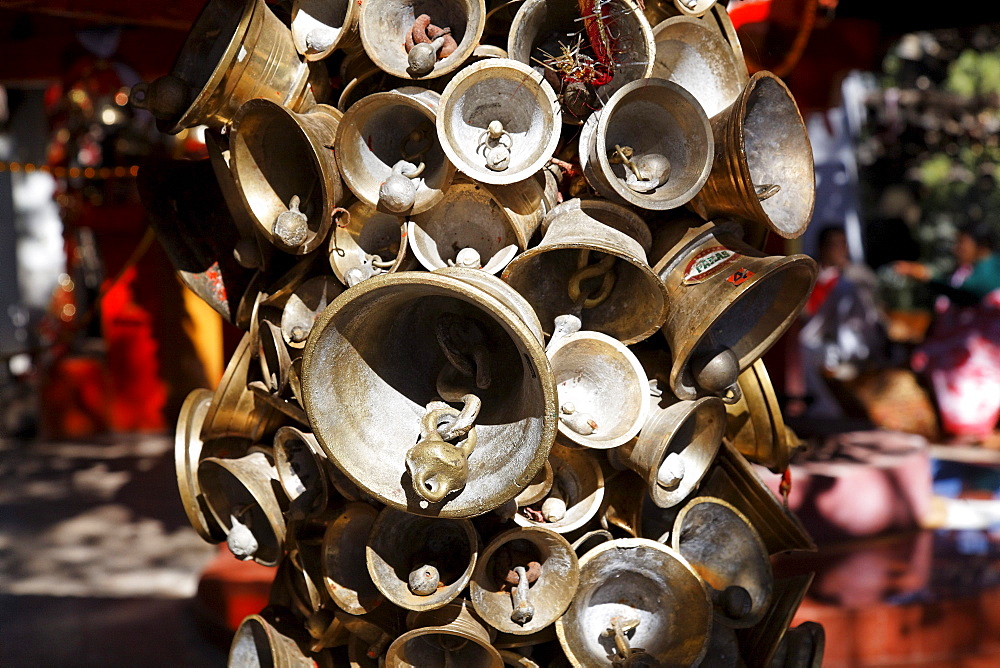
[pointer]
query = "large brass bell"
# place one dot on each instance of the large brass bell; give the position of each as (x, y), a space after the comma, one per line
(389, 154)
(320, 26)
(544, 33)
(236, 51)
(586, 268)
(366, 243)
(602, 386)
(449, 636)
(722, 546)
(763, 172)
(291, 199)
(400, 40)
(375, 401)
(251, 251)
(524, 580)
(498, 121)
(754, 424)
(729, 303)
(676, 446)
(638, 603)
(240, 493)
(420, 563)
(345, 570)
(573, 498)
(258, 643)
(694, 55)
(650, 146)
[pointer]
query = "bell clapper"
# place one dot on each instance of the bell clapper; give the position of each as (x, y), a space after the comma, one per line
(671, 472)
(423, 47)
(399, 193)
(581, 423)
(468, 258)
(554, 507)
(766, 191)
(320, 39)
(645, 173)
(604, 269)
(496, 144)
(716, 372)
(619, 628)
(439, 462)
(424, 580)
(292, 226)
(523, 611)
(424, 140)
(240, 539)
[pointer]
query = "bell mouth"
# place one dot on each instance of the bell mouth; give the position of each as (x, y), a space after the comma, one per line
(257, 643)
(344, 565)
(188, 448)
(336, 18)
(441, 646)
(726, 551)
(578, 477)
(372, 242)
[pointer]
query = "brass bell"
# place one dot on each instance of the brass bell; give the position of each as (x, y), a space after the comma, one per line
(236, 51)
(802, 647)
(608, 213)
(396, 35)
(543, 35)
(763, 639)
(524, 580)
(258, 643)
(693, 54)
(420, 563)
(734, 480)
(302, 472)
(251, 251)
(345, 570)
(449, 636)
(298, 585)
(763, 173)
(539, 487)
(389, 154)
(304, 305)
(291, 199)
(622, 508)
(438, 336)
(638, 603)
(240, 493)
(650, 145)
(235, 411)
(676, 446)
(754, 424)
(498, 121)
(367, 242)
(593, 271)
(602, 387)
(722, 546)
(320, 26)
(273, 356)
(188, 448)
(729, 303)
(574, 497)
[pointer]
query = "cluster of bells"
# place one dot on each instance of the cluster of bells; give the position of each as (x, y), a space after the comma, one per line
(491, 462)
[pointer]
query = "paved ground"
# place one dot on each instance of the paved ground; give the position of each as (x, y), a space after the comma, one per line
(98, 564)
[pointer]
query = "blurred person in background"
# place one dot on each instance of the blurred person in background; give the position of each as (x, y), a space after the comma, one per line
(961, 354)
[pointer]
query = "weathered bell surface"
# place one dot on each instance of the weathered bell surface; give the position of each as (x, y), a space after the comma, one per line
(574, 497)
(235, 411)
(498, 121)
(449, 636)
(421, 40)
(763, 639)
(345, 570)
(301, 471)
(755, 425)
(802, 647)
(650, 146)
(524, 580)
(729, 303)
(584, 53)
(638, 603)
(236, 51)
(292, 198)
(539, 487)
(693, 54)
(602, 386)
(613, 215)
(389, 154)
(258, 643)
(320, 26)
(596, 272)
(187, 455)
(722, 545)
(240, 493)
(304, 305)
(621, 511)
(251, 251)
(732, 479)
(468, 228)
(373, 401)
(300, 573)
(497, 289)
(420, 563)
(763, 173)
(366, 242)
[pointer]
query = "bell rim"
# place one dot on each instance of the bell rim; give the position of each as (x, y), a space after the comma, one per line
(344, 32)
(593, 507)
(333, 587)
(188, 447)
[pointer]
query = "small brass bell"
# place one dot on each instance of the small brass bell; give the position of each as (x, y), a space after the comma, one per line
(304, 305)
(188, 448)
(345, 570)
(320, 26)
(420, 563)
(366, 242)
(301, 468)
(449, 636)
(574, 497)
(258, 643)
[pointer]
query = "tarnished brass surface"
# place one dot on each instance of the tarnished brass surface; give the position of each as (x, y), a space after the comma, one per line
(578, 483)
(304, 305)
(551, 568)
(723, 296)
(258, 643)
(761, 642)
(636, 305)
(187, 454)
(761, 143)
(345, 570)
(367, 242)
(235, 411)
(365, 395)
(636, 580)
(451, 636)
(320, 26)
(400, 543)
(624, 493)
(694, 7)
(619, 217)
(662, 124)
(722, 546)
(539, 487)
(505, 91)
(754, 424)
(301, 469)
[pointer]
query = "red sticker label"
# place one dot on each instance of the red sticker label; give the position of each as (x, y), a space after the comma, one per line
(739, 277)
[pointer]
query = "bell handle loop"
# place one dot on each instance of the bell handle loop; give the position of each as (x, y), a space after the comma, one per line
(732, 394)
(138, 97)
(604, 534)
